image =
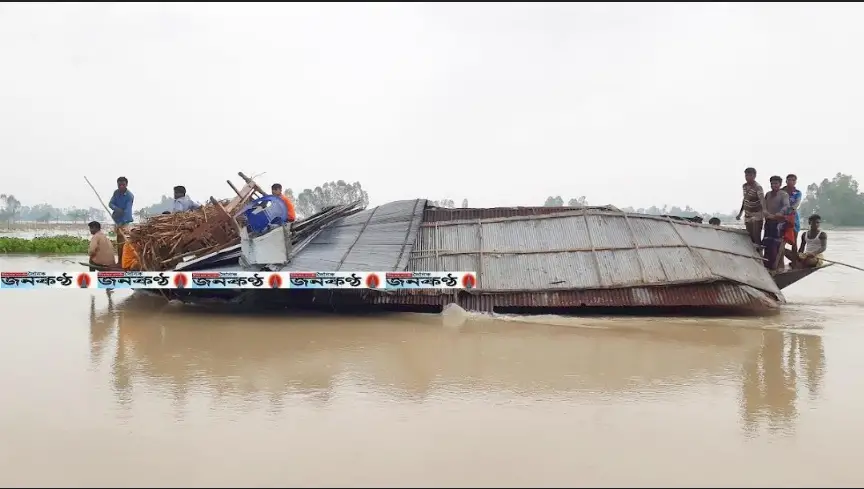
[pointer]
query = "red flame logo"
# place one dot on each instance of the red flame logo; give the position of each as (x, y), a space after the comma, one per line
(180, 281)
(83, 280)
(275, 281)
(372, 281)
(468, 281)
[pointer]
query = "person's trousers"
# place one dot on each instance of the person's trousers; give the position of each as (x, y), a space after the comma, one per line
(772, 242)
(754, 229)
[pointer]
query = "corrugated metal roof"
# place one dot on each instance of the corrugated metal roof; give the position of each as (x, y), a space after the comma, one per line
(589, 249)
(378, 239)
(590, 257)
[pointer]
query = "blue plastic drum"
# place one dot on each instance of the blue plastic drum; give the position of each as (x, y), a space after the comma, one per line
(262, 213)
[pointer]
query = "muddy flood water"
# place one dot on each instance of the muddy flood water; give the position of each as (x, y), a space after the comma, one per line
(125, 391)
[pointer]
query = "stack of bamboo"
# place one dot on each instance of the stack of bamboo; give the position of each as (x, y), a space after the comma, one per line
(163, 241)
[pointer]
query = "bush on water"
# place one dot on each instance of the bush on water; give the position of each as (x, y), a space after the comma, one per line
(45, 244)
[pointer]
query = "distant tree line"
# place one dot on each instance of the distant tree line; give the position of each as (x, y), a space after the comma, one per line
(447, 203)
(839, 201)
(686, 211)
(557, 201)
(12, 210)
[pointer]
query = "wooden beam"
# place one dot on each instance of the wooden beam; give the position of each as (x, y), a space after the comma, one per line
(221, 210)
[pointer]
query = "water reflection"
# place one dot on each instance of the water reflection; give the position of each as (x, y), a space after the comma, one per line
(770, 379)
(249, 361)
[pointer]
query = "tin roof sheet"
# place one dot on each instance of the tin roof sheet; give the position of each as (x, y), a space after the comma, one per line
(588, 249)
(377, 239)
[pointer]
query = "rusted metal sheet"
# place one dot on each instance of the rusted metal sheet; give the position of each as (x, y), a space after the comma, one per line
(714, 294)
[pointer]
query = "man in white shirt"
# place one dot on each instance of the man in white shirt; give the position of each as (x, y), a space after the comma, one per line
(182, 202)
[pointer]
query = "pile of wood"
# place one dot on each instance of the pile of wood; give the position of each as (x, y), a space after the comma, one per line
(163, 241)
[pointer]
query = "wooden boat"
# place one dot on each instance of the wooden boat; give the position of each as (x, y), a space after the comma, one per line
(788, 277)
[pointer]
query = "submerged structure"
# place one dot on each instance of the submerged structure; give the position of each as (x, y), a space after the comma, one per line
(527, 259)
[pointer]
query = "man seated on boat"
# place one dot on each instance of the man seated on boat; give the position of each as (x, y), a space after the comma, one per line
(100, 250)
(182, 202)
(814, 242)
(714, 221)
(276, 190)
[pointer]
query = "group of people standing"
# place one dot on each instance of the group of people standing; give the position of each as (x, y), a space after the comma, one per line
(102, 252)
(776, 214)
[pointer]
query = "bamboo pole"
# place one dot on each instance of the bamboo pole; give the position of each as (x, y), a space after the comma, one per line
(108, 210)
(842, 264)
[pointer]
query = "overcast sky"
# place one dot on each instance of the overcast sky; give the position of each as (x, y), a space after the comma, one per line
(501, 103)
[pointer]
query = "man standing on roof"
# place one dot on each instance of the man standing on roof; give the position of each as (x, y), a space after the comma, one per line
(182, 202)
(276, 189)
(121, 212)
(752, 206)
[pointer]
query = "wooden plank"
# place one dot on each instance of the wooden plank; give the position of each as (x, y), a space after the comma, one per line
(243, 196)
(249, 181)
(224, 213)
(234, 188)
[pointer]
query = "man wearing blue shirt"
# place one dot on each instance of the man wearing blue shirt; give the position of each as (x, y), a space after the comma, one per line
(121, 213)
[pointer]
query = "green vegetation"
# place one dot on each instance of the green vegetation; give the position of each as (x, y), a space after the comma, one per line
(12, 210)
(838, 201)
(45, 245)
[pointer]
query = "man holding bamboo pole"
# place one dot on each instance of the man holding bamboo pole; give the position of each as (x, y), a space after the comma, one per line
(121, 213)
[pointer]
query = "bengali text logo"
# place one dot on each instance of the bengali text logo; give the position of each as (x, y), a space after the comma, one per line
(468, 281)
(372, 281)
(180, 281)
(275, 281)
(83, 280)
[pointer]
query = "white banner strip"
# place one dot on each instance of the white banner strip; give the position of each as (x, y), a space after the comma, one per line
(238, 280)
